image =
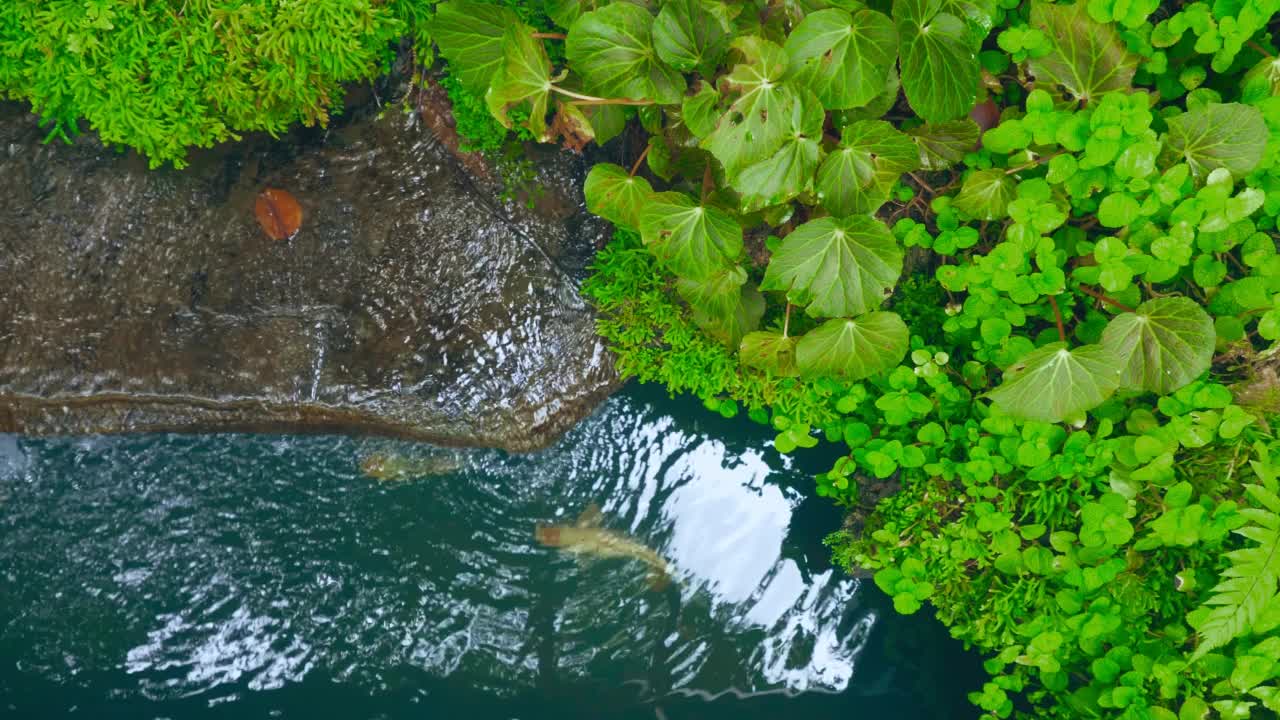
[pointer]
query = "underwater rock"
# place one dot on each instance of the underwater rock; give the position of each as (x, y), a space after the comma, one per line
(412, 302)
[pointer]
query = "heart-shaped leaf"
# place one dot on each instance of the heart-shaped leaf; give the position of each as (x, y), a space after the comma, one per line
(986, 194)
(843, 57)
(939, 60)
(470, 38)
(857, 176)
(615, 195)
(789, 170)
(1219, 135)
(1088, 59)
(771, 351)
(838, 267)
(853, 348)
(1053, 383)
(694, 241)
(700, 110)
(944, 144)
(1163, 345)
(522, 80)
(612, 48)
(692, 34)
(716, 295)
(729, 328)
(755, 125)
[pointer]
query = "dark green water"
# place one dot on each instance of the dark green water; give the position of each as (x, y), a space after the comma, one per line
(164, 576)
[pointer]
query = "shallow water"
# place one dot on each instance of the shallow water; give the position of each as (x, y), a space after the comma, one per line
(255, 576)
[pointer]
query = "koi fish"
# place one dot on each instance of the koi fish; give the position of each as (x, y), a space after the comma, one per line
(390, 467)
(586, 539)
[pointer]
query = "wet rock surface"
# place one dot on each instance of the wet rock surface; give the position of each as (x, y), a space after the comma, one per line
(413, 301)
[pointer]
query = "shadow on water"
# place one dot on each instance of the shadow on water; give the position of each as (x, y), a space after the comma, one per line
(257, 576)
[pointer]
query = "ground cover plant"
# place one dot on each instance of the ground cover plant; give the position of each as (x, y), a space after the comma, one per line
(1017, 257)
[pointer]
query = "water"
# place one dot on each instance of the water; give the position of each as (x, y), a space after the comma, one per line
(266, 576)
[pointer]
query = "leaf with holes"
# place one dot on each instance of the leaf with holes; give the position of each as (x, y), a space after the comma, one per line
(944, 144)
(843, 57)
(986, 194)
(857, 176)
(470, 38)
(522, 81)
(692, 240)
(1218, 135)
(1088, 59)
(836, 266)
(771, 351)
(756, 124)
(1163, 345)
(1053, 383)
(853, 348)
(939, 60)
(615, 195)
(612, 49)
(692, 35)
(789, 170)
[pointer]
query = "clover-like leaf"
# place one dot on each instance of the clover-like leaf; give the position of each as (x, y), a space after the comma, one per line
(858, 175)
(789, 170)
(939, 60)
(1218, 135)
(612, 48)
(1163, 345)
(470, 38)
(694, 241)
(836, 266)
(1088, 59)
(986, 194)
(1053, 383)
(523, 79)
(692, 34)
(729, 328)
(853, 348)
(756, 124)
(769, 350)
(615, 195)
(843, 57)
(944, 144)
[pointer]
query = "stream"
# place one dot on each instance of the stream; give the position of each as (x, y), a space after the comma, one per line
(253, 576)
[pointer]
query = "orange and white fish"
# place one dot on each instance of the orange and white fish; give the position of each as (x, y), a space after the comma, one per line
(587, 539)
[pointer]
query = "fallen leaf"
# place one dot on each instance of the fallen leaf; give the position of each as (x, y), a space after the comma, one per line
(278, 213)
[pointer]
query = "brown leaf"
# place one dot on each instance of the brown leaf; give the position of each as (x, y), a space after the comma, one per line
(278, 213)
(573, 126)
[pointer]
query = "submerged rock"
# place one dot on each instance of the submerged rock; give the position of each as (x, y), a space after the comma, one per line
(412, 301)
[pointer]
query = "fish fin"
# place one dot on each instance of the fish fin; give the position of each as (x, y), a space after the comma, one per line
(590, 517)
(658, 581)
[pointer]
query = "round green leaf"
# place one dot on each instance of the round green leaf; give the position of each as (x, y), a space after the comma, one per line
(694, 241)
(522, 80)
(836, 266)
(470, 38)
(1053, 383)
(756, 124)
(612, 48)
(843, 57)
(613, 194)
(1165, 344)
(716, 295)
(940, 69)
(743, 317)
(789, 170)
(986, 194)
(857, 176)
(944, 144)
(1219, 135)
(1088, 59)
(700, 111)
(771, 351)
(853, 348)
(692, 34)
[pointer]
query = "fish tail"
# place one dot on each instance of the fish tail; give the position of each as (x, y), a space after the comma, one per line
(659, 580)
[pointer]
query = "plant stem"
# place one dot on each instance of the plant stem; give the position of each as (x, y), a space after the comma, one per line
(1253, 44)
(786, 320)
(923, 185)
(548, 36)
(1099, 296)
(1038, 161)
(592, 100)
(636, 167)
(1057, 315)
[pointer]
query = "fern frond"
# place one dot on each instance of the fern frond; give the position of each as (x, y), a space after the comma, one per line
(1250, 583)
